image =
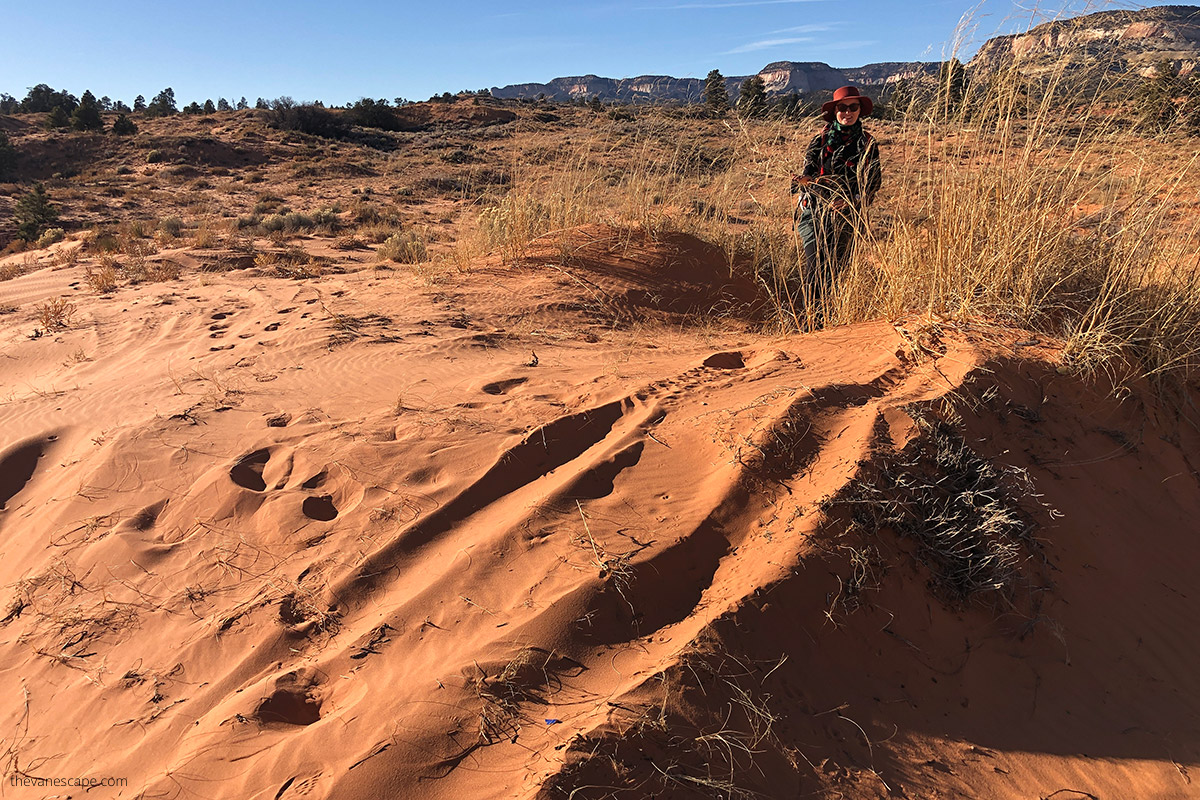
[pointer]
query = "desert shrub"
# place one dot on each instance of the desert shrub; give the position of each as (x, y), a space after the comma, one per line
(34, 212)
(404, 248)
(326, 218)
(291, 222)
(51, 236)
(101, 278)
(171, 226)
(155, 156)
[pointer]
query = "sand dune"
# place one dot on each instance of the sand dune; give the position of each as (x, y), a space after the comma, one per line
(577, 528)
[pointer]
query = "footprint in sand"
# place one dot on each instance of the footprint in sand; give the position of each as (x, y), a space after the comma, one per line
(502, 387)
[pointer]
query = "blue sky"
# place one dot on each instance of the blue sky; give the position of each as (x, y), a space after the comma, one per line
(316, 50)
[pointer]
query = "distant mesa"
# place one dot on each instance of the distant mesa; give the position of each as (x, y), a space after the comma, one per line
(1116, 40)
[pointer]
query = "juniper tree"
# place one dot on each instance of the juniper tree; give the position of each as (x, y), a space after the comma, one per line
(87, 115)
(752, 97)
(124, 126)
(716, 96)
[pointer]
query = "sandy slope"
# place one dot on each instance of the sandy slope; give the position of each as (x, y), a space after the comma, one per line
(527, 533)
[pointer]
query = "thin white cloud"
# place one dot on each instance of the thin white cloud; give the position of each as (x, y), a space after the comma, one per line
(821, 28)
(767, 44)
(732, 4)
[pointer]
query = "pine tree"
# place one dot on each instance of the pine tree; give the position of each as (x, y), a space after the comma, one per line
(163, 104)
(242, 105)
(34, 212)
(752, 97)
(87, 115)
(223, 105)
(124, 126)
(716, 96)
(139, 103)
(57, 119)
(209, 108)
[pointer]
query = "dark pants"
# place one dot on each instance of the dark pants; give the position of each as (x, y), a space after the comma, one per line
(828, 239)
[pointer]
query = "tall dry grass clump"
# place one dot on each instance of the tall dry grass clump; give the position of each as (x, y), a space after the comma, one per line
(1026, 201)
(1032, 203)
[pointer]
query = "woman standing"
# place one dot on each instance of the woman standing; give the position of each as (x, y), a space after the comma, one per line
(841, 176)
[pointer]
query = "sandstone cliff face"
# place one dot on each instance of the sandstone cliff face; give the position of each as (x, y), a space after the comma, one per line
(1108, 41)
(1114, 40)
(780, 77)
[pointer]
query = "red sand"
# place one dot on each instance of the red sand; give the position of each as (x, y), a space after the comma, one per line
(533, 533)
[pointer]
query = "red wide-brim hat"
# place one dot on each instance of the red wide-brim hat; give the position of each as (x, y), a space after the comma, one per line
(865, 106)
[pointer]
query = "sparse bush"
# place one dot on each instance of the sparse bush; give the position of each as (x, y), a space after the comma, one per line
(101, 279)
(404, 248)
(155, 157)
(51, 236)
(56, 313)
(171, 226)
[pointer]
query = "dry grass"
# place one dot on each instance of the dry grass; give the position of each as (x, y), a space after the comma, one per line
(1074, 227)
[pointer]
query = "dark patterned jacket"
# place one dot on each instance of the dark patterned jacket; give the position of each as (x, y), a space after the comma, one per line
(856, 175)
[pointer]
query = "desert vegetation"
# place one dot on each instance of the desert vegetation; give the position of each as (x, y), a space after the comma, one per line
(1056, 204)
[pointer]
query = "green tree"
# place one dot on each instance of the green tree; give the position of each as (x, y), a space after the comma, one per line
(209, 108)
(57, 119)
(716, 96)
(42, 99)
(124, 126)
(752, 97)
(87, 115)
(242, 105)
(8, 157)
(34, 212)
(139, 103)
(163, 104)
(223, 105)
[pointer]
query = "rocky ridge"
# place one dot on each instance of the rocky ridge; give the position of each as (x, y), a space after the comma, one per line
(1115, 41)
